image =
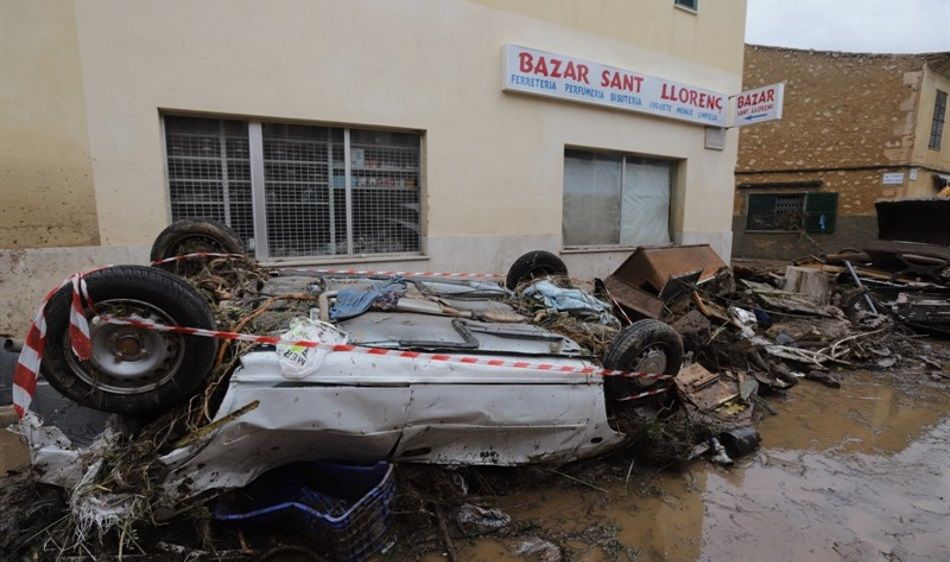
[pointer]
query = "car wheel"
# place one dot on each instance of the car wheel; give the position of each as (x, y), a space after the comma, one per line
(534, 264)
(190, 236)
(648, 346)
(131, 370)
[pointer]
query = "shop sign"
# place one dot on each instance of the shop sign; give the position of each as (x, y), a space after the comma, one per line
(892, 178)
(759, 105)
(559, 76)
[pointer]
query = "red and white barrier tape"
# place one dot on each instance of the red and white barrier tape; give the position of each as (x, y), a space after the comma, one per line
(27, 368)
(405, 354)
(653, 392)
(442, 274)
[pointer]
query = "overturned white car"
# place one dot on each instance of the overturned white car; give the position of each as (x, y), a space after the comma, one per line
(409, 368)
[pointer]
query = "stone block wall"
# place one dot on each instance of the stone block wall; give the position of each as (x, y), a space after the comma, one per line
(848, 119)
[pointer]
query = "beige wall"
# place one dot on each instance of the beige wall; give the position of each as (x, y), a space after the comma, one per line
(493, 161)
(46, 184)
(709, 38)
(923, 155)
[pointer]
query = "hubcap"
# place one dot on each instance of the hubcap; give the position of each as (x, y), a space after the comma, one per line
(651, 360)
(126, 359)
(197, 243)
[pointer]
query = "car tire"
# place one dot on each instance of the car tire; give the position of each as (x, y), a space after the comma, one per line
(190, 236)
(132, 370)
(647, 346)
(534, 264)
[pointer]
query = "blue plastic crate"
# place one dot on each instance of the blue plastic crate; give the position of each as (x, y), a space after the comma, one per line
(343, 509)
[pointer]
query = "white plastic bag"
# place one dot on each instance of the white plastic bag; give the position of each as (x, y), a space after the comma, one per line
(297, 361)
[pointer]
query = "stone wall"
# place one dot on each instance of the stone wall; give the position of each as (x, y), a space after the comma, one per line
(842, 110)
(856, 221)
(847, 120)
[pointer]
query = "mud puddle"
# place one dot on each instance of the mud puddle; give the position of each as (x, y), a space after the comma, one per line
(859, 473)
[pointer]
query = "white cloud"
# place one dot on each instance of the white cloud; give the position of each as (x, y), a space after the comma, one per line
(864, 26)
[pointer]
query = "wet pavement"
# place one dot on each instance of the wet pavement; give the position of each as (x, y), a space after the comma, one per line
(859, 473)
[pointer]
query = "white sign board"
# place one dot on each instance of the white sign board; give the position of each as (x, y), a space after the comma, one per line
(547, 74)
(893, 178)
(759, 105)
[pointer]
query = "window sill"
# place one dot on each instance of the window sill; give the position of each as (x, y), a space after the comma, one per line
(685, 9)
(783, 232)
(335, 260)
(604, 249)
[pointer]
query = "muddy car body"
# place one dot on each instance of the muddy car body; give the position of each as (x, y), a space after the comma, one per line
(449, 372)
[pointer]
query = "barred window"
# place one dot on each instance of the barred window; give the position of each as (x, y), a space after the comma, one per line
(790, 212)
(296, 190)
(209, 171)
(940, 114)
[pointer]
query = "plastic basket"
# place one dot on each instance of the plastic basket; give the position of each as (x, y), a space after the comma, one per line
(343, 509)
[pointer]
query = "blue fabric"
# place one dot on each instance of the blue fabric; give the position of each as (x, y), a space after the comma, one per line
(569, 300)
(353, 302)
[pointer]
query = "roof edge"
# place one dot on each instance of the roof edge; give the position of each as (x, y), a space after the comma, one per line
(924, 57)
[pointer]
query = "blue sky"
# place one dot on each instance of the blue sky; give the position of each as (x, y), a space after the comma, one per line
(864, 26)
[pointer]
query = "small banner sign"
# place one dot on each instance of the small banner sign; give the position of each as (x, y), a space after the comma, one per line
(759, 105)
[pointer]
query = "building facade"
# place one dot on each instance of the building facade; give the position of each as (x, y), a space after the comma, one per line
(855, 128)
(422, 135)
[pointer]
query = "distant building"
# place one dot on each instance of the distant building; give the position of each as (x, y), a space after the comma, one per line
(855, 128)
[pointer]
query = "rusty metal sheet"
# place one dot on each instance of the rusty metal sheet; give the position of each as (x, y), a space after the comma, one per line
(680, 285)
(632, 298)
(651, 268)
(706, 390)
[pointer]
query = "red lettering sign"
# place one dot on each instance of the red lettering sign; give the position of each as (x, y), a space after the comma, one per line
(551, 67)
(621, 81)
(689, 96)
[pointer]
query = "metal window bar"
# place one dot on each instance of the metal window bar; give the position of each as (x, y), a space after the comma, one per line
(208, 171)
(298, 162)
(789, 213)
(385, 190)
(258, 197)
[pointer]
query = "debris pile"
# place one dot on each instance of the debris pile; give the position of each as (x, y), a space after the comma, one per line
(749, 333)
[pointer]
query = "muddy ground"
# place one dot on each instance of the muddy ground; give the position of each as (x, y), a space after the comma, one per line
(857, 473)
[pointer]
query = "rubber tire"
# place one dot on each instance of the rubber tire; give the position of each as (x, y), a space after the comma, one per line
(534, 264)
(627, 346)
(168, 243)
(158, 288)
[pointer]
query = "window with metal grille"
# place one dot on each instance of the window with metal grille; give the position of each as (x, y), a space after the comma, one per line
(615, 199)
(692, 5)
(209, 171)
(940, 114)
(298, 190)
(790, 212)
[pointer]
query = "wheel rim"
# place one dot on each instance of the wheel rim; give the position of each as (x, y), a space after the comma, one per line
(194, 243)
(651, 360)
(125, 359)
